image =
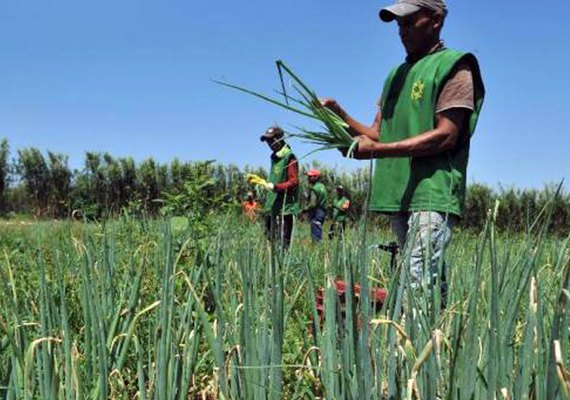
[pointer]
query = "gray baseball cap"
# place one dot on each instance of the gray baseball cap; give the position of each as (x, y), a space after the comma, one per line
(403, 8)
(273, 132)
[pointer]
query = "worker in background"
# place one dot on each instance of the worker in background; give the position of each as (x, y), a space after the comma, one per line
(317, 204)
(282, 198)
(250, 206)
(341, 206)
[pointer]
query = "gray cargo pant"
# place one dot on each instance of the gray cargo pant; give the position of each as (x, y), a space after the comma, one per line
(424, 235)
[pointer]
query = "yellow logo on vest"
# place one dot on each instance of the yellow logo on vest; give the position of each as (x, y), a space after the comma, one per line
(418, 91)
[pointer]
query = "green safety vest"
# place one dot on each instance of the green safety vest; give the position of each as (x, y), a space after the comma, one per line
(409, 97)
(320, 193)
(277, 203)
(339, 215)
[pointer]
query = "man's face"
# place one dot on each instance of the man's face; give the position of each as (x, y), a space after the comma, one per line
(419, 31)
(275, 144)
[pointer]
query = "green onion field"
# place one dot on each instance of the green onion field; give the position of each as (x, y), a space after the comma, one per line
(139, 308)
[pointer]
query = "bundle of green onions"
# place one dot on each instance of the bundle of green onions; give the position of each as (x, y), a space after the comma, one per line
(334, 134)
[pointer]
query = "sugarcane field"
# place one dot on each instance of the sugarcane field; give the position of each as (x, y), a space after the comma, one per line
(305, 200)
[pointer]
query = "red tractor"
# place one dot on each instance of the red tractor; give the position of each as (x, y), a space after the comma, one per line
(377, 296)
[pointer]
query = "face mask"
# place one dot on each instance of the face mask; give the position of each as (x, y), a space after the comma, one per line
(285, 151)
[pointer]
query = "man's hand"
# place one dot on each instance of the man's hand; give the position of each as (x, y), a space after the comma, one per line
(354, 128)
(269, 186)
(365, 145)
(332, 105)
(258, 181)
(365, 149)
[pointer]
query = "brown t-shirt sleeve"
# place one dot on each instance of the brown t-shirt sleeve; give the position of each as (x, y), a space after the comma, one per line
(458, 91)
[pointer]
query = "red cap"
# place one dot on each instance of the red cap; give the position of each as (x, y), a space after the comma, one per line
(313, 172)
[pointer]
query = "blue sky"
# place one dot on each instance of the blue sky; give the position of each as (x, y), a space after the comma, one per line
(135, 77)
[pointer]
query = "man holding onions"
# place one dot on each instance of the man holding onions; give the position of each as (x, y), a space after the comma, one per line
(420, 137)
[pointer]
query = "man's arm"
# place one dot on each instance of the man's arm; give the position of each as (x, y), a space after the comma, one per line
(312, 202)
(453, 109)
(445, 136)
(292, 177)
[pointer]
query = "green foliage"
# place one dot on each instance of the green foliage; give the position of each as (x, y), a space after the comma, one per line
(148, 187)
(34, 171)
(60, 185)
(478, 200)
(199, 201)
(197, 196)
(4, 173)
(517, 208)
(107, 187)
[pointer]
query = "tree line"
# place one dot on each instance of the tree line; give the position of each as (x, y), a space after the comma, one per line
(43, 184)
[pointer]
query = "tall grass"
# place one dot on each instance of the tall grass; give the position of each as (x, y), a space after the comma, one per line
(128, 310)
